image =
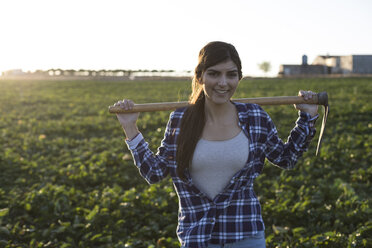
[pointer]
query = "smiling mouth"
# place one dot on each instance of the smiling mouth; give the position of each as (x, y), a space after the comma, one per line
(221, 91)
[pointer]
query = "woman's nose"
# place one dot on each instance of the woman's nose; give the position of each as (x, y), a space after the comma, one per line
(222, 81)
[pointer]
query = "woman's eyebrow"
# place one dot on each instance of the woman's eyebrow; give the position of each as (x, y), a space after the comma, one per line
(212, 70)
(229, 70)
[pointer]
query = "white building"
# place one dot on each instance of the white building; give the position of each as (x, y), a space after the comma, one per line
(324, 65)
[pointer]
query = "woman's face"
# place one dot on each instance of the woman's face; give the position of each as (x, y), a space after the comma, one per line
(220, 82)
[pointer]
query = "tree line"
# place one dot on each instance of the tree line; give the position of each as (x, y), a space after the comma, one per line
(103, 72)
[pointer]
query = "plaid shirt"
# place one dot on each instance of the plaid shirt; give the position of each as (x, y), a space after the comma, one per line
(234, 213)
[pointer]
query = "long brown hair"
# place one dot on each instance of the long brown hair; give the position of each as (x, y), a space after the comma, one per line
(193, 120)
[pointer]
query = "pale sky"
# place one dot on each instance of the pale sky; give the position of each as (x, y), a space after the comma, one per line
(168, 34)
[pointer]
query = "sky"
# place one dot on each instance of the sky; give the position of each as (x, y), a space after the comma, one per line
(168, 34)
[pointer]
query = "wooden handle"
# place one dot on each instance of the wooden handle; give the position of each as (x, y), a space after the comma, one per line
(320, 99)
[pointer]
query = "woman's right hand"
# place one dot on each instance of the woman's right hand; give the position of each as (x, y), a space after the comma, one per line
(128, 120)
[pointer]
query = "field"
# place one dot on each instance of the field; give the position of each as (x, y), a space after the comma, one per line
(68, 180)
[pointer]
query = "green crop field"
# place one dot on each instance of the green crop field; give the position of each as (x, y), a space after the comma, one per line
(68, 180)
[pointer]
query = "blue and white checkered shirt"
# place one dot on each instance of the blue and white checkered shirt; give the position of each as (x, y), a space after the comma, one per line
(235, 213)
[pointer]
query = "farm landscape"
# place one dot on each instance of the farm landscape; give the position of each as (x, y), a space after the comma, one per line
(68, 180)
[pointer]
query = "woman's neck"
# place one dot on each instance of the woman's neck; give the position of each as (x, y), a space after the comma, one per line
(219, 113)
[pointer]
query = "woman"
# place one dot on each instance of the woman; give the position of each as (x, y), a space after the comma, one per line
(214, 149)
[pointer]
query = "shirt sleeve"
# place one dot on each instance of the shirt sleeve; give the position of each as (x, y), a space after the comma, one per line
(133, 143)
(285, 155)
(152, 167)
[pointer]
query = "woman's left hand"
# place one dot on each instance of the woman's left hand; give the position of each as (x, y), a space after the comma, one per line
(312, 109)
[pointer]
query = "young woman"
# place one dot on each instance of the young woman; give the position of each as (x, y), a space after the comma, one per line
(214, 149)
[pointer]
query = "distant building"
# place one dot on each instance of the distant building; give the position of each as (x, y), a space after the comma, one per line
(14, 72)
(325, 65)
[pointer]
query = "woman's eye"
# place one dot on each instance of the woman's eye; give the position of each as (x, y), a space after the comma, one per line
(212, 73)
(233, 74)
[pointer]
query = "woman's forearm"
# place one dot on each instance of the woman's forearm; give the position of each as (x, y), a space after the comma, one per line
(130, 130)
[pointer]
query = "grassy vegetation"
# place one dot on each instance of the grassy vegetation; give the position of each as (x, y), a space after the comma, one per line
(68, 180)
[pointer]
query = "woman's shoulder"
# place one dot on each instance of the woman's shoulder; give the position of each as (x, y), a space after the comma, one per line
(253, 114)
(178, 113)
(250, 108)
(176, 116)
(180, 110)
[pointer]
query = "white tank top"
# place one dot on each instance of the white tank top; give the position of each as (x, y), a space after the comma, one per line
(215, 162)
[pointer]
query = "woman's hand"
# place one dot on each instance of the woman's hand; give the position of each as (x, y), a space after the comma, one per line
(128, 120)
(312, 109)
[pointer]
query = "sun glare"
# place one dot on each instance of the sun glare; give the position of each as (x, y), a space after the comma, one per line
(166, 34)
